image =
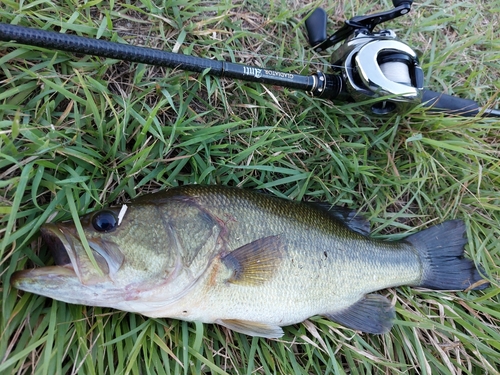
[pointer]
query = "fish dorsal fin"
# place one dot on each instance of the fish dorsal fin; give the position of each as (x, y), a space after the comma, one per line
(351, 218)
(371, 314)
(255, 262)
(252, 328)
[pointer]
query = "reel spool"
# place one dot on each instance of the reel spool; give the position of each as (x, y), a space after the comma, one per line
(380, 66)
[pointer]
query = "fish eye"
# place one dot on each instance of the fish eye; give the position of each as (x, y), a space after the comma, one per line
(104, 221)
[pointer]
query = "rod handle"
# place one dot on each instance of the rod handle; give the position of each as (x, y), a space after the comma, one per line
(450, 104)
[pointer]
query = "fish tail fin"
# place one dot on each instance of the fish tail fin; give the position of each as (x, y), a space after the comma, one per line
(441, 250)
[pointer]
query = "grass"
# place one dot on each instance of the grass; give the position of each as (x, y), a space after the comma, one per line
(79, 132)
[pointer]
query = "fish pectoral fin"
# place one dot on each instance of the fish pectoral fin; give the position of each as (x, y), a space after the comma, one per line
(255, 262)
(252, 328)
(372, 314)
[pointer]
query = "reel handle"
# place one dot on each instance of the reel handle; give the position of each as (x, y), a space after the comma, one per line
(316, 28)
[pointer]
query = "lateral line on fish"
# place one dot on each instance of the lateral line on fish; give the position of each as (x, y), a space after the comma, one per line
(121, 214)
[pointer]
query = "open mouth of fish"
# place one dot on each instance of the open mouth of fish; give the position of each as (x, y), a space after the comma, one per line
(57, 247)
(72, 264)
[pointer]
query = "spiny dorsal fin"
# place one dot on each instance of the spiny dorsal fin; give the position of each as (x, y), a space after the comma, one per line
(255, 262)
(252, 328)
(351, 218)
(371, 314)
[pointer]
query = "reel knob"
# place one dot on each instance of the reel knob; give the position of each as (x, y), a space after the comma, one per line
(397, 3)
(316, 27)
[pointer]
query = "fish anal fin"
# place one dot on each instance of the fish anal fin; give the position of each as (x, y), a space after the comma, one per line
(351, 218)
(371, 314)
(252, 328)
(256, 262)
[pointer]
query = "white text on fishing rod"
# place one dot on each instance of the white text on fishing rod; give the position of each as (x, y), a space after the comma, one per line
(257, 73)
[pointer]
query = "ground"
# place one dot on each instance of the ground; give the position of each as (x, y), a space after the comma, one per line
(78, 132)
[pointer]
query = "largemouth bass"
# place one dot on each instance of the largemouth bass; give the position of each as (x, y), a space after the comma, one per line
(248, 261)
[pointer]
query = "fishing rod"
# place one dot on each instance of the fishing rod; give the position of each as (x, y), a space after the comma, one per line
(368, 66)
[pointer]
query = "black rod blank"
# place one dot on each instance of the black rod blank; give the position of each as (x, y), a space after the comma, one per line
(102, 48)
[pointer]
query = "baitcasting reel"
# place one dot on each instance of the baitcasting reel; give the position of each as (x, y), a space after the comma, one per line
(372, 65)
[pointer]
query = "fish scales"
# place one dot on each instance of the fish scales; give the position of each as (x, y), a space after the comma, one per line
(249, 261)
(330, 264)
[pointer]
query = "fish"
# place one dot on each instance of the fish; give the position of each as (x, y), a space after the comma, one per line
(246, 260)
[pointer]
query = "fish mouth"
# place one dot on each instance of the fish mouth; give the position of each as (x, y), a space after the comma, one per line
(56, 245)
(73, 268)
(68, 252)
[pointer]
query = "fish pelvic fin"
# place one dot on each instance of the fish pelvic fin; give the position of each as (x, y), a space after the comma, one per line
(252, 328)
(441, 250)
(255, 262)
(371, 314)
